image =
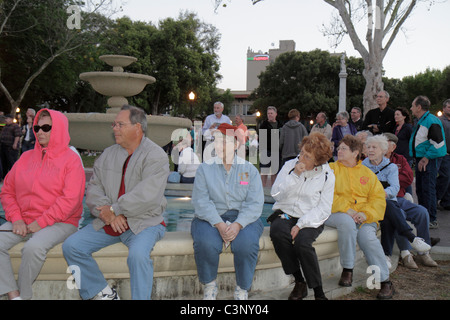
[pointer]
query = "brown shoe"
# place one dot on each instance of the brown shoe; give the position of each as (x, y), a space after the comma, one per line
(346, 279)
(299, 292)
(426, 260)
(386, 291)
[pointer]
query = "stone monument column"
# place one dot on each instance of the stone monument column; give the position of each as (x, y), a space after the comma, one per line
(342, 84)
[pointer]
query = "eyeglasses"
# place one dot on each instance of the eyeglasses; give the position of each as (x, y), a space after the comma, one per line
(304, 156)
(343, 148)
(45, 128)
(119, 124)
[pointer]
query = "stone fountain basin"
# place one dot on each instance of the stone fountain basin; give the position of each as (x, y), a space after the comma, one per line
(118, 60)
(92, 131)
(111, 84)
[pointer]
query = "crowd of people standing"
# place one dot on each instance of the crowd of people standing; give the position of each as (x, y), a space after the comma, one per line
(15, 140)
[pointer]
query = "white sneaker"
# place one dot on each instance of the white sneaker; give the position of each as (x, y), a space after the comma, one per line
(106, 295)
(240, 294)
(210, 291)
(420, 245)
(408, 197)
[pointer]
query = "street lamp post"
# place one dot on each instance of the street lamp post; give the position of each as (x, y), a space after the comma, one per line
(191, 99)
(17, 118)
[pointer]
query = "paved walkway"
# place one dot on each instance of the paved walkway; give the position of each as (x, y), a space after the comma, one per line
(443, 231)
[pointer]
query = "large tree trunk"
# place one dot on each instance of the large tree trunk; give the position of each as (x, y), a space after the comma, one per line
(385, 19)
(373, 75)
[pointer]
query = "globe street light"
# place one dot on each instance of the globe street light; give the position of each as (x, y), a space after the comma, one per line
(191, 99)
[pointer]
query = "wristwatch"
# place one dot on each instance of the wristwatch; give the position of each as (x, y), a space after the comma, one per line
(111, 209)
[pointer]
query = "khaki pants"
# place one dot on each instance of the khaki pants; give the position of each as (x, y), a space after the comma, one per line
(34, 253)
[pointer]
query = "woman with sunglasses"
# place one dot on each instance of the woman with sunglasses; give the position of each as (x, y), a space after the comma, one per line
(42, 197)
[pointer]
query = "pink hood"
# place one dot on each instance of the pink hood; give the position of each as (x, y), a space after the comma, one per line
(46, 187)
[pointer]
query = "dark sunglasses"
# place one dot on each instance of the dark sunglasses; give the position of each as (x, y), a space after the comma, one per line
(45, 128)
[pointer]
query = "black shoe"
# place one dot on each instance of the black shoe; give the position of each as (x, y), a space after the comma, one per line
(346, 279)
(434, 241)
(299, 292)
(386, 291)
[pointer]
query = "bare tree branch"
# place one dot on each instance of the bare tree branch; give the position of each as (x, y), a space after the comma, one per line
(59, 41)
(8, 15)
(398, 27)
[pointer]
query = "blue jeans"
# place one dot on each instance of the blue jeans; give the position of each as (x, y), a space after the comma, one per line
(350, 233)
(419, 217)
(426, 186)
(79, 247)
(208, 245)
(443, 181)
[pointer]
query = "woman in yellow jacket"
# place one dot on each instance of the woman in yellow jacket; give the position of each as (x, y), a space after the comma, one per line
(359, 203)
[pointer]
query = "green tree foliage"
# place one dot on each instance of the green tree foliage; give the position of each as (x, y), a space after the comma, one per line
(40, 55)
(433, 83)
(309, 82)
(180, 54)
(426, 83)
(41, 59)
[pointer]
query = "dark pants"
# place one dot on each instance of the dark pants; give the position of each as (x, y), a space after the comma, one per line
(186, 179)
(426, 187)
(394, 221)
(27, 145)
(443, 181)
(300, 253)
(9, 157)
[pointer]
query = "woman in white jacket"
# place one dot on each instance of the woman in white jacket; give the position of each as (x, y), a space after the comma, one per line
(188, 161)
(303, 192)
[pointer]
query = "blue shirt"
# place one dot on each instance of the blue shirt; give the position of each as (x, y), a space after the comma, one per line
(211, 119)
(389, 174)
(216, 191)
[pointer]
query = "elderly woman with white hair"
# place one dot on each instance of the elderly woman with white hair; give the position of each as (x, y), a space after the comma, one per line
(394, 217)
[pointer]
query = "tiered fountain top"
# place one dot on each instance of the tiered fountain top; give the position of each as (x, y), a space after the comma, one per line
(93, 130)
(117, 84)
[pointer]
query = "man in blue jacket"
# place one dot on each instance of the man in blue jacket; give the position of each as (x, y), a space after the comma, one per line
(426, 145)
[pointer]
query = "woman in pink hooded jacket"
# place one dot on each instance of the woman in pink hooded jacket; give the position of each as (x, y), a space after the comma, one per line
(42, 197)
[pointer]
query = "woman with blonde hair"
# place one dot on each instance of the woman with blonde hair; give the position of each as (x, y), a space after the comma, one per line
(303, 192)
